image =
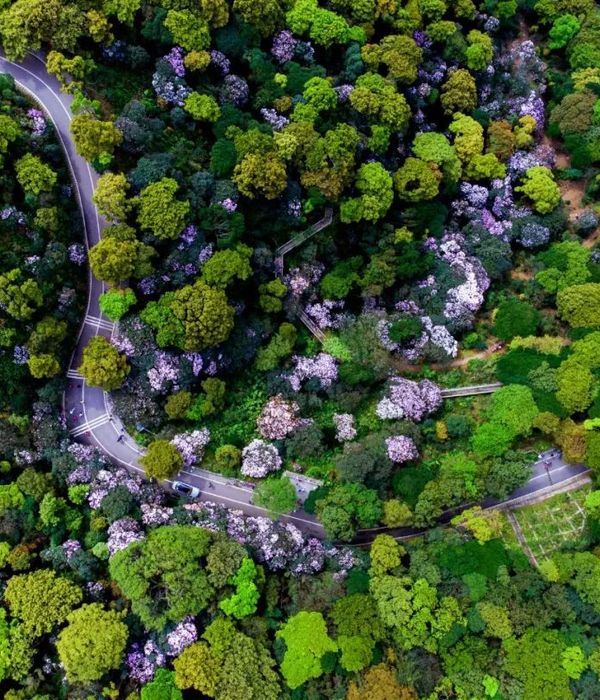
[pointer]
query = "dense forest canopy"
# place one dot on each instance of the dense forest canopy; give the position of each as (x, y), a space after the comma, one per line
(317, 216)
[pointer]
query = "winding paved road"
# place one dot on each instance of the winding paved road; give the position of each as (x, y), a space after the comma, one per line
(88, 409)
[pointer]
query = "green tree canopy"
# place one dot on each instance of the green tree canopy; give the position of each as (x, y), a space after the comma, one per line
(92, 643)
(103, 365)
(41, 599)
(164, 576)
(162, 460)
(159, 211)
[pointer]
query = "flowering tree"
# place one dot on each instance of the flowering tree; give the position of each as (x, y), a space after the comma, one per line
(259, 459)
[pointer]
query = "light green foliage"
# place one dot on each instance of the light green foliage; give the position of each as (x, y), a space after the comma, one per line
(347, 507)
(306, 639)
(204, 316)
(574, 661)
(123, 10)
(337, 283)
(227, 265)
(399, 54)
(25, 24)
(357, 652)
(324, 27)
(70, 72)
(468, 139)
(459, 92)
(386, 555)
(113, 260)
(34, 175)
(41, 599)
(103, 365)
(566, 265)
(540, 187)
(162, 687)
(43, 366)
(162, 461)
(577, 386)
(434, 147)
(11, 497)
(280, 346)
(47, 336)
(319, 94)
(412, 611)
(244, 600)
(189, 30)
(480, 50)
(376, 98)
(232, 666)
(375, 185)
(277, 495)
(579, 305)
(19, 297)
(592, 505)
(417, 180)
(164, 576)
(177, 404)
(485, 166)
(483, 525)
(536, 660)
(513, 406)
(210, 401)
(115, 303)
(260, 175)
(159, 211)
(92, 643)
(16, 650)
(396, 513)
(270, 296)
(203, 108)
(94, 138)
(110, 196)
(9, 132)
(265, 16)
(563, 30)
(497, 621)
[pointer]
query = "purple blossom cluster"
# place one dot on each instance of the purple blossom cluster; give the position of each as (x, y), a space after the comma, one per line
(274, 119)
(122, 533)
(70, 548)
(220, 61)
(278, 418)
(38, 121)
(322, 367)
(184, 634)
(20, 355)
(409, 400)
(344, 92)
(154, 514)
(106, 480)
(344, 427)
(142, 662)
(284, 46)
(169, 87)
(401, 448)
(300, 279)
(328, 314)
(234, 90)
(175, 59)
(259, 458)
(12, 212)
(77, 254)
(164, 375)
(229, 204)
(192, 445)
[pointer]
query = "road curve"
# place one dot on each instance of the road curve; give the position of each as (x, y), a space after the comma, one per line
(88, 409)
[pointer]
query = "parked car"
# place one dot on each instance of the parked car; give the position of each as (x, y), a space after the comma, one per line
(185, 489)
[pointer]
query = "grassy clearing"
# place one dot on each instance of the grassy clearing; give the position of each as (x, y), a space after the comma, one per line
(547, 526)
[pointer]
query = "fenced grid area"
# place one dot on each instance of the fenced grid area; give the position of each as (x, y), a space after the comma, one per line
(548, 525)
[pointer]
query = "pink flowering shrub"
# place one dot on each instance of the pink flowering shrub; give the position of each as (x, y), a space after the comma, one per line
(192, 445)
(401, 448)
(344, 427)
(259, 459)
(409, 400)
(278, 418)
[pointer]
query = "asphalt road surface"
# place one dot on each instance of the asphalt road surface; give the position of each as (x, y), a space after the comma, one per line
(88, 409)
